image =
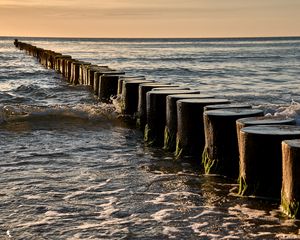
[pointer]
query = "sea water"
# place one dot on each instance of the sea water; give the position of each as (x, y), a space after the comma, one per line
(70, 168)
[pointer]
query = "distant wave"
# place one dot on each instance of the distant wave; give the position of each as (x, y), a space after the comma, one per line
(21, 112)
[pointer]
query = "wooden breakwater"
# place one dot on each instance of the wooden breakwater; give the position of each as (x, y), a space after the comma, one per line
(211, 132)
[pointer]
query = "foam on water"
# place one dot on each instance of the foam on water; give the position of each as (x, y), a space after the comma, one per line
(94, 112)
(291, 110)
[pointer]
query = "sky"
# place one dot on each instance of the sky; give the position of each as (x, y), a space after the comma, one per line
(150, 18)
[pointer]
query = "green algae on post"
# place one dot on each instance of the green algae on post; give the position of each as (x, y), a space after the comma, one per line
(290, 195)
(221, 141)
(261, 164)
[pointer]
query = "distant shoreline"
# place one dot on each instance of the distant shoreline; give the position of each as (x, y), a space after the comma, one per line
(158, 38)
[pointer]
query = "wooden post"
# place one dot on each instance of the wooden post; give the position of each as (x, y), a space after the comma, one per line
(261, 158)
(141, 110)
(89, 80)
(290, 192)
(221, 153)
(108, 87)
(130, 96)
(262, 120)
(190, 139)
(75, 72)
(171, 117)
(69, 69)
(63, 65)
(226, 106)
(97, 76)
(16, 42)
(100, 71)
(127, 78)
(83, 74)
(156, 115)
(172, 88)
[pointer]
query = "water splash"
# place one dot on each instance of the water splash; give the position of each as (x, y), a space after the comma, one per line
(292, 110)
(92, 112)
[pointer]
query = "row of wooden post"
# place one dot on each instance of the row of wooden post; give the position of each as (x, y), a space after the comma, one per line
(234, 140)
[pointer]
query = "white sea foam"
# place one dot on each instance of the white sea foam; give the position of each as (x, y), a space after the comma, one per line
(42, 221)
(112, 192)
(108, 208)
(197, 226)
(211, 211)
(287, 236)
(170, 231)
(164, 198)
(292, 110)
(163, 214)
(210, 235)
(32, 197)
(244, 210)
(81, 111)
(8, 234)
(74, 194)
(117, 102)
(231, 236)
(92, 190)
(85, 226)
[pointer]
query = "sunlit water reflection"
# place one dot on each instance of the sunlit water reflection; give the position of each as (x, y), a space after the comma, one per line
(71, 169)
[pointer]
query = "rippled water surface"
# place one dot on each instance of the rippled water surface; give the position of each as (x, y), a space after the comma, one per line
(71, 169)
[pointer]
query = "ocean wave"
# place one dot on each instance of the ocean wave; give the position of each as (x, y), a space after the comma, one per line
(89, 112)
(7, 98)
(29, 74)
(27, 88)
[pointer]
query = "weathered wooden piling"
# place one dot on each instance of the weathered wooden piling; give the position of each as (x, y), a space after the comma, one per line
(156, 115)
(226, 106)
(96, 86)
(262, 120)
(190, 139)
(261, 158)
(100, 70)
(130, 96)
(38, 53)
(172, 87)
(290, 191)
(221, 153)
(51, 60)
(171, 117)
(84, 73)
(63, 60)
(16, 42)
(108, 87)
(75, 72)
(69, 63)
(57, 62)
(141, 116)
(90, 75)
(127, 78)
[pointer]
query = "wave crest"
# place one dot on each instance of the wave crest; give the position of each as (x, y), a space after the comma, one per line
(90, 112)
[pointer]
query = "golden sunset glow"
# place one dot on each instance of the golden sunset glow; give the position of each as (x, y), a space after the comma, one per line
(145, 18)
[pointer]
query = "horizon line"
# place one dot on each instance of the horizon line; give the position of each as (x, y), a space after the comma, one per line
(68, 37)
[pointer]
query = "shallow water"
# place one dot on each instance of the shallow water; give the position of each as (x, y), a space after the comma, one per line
(71, 169)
